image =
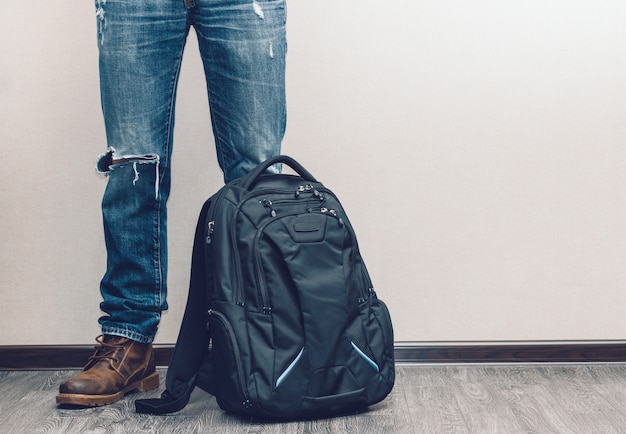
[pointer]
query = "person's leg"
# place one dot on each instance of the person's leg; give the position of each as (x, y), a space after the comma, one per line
(140, 44)
(243, 47)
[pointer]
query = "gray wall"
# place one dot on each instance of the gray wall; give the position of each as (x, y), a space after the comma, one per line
(479, 148)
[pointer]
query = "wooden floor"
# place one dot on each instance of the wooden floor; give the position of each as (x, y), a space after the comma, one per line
(426, 399)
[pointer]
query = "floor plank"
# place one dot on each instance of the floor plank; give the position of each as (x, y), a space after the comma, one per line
(426, 399)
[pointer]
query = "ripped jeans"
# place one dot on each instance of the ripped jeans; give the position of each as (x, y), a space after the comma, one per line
(243, 47)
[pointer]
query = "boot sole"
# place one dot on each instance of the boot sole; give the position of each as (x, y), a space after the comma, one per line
(147, 383)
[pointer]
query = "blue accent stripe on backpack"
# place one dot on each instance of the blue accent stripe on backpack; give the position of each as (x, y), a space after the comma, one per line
(367, 359)
(289, 368)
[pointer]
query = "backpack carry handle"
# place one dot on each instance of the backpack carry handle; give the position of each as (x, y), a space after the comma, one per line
(251, 178)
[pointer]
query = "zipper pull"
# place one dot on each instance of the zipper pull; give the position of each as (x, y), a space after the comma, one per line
(302, 188)
(333, 213)
(319, 196)
(210, 228)
(268, 204)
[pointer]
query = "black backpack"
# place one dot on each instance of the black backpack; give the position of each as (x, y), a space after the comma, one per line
(282, 320)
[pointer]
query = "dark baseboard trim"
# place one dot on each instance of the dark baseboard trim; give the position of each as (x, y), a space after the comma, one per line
(575, 352)
(20, 357)
(36, 357)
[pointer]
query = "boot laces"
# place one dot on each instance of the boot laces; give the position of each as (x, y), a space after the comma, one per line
(105, 351)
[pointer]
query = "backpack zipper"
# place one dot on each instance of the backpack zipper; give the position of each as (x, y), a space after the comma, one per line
(265, 302)
(260, 281)
(233, 342)
(239, 292)
(211, 218)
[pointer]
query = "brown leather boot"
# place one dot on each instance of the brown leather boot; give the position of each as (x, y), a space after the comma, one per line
(118, 366)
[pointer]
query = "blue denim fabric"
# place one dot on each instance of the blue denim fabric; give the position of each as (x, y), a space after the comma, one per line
(243, 47)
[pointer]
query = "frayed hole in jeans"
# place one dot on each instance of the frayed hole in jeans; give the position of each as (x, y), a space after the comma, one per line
(110, 160)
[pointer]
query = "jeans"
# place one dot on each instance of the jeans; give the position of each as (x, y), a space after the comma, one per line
(243, 47)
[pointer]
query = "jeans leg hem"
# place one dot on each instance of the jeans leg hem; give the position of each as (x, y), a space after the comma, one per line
(125, 333)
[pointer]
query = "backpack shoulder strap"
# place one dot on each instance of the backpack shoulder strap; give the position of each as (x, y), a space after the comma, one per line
(192, 345)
